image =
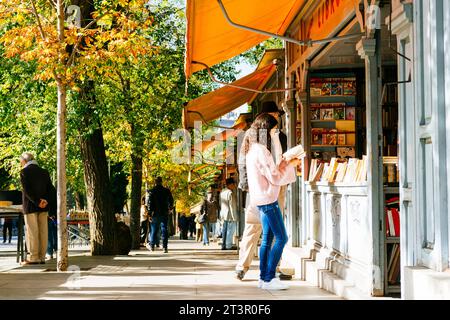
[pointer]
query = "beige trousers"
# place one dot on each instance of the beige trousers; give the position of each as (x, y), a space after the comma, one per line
(36, 235)
(249, 243)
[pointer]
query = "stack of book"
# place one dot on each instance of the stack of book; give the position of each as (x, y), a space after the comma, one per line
(392, 222)
(393, 267)
(339, 170)
(390, 170)
(332, 87)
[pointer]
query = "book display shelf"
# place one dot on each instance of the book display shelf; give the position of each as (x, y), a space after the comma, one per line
(391, 180)
(332, 105)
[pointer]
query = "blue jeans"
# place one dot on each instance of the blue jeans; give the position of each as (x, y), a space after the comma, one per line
(52, 245)
(228, 230)
(159, 222)
(205, 233)
(273, 226)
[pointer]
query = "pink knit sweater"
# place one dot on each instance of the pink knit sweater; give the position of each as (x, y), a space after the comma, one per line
(264, 177)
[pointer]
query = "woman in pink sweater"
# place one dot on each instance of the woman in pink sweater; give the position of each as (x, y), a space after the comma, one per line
(264, 181)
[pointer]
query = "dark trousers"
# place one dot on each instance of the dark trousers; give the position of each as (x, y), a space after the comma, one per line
(159, 223)
(52, 245)
(7, 226)
(144, 230)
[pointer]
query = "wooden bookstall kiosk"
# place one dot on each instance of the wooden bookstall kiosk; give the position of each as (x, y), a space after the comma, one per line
(348, 187)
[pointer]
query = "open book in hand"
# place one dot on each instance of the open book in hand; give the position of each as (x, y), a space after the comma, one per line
(296, 152)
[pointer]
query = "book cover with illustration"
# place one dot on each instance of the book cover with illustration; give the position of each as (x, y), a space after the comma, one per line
(349, 88)
(339, 113)
(346, 152)
(341, 139)
(316, 136)
(315, 87)
(329, 137)
(350, 113)
(315, 114)
(326, 114)
(326, 89)
(336, 89)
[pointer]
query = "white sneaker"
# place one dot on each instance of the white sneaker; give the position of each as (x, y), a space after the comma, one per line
(260, 283)
(275, 284)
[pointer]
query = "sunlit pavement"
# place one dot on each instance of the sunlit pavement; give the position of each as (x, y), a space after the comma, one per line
(189, 271)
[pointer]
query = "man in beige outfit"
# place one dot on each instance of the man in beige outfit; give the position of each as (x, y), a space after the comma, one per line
(36, 189)
(253, 227)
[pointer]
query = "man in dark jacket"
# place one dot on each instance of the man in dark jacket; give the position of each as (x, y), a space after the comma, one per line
(160, 202)
(36, 192)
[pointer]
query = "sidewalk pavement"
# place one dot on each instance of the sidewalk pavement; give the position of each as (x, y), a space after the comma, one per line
(189, 271)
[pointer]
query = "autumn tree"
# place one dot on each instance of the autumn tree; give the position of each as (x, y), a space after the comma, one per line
(72, 53)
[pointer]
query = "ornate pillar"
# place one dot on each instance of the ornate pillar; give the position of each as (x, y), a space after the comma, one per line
(370, 50)
(306, 142)
(293, 194)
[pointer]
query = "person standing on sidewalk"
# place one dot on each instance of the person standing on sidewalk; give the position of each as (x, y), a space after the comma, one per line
(36, 187)
(52, 246)
(209, 210)
(228, 210)
(264, 181)
(253, 227)
(7, 228)
(160, 203)
(144, 221)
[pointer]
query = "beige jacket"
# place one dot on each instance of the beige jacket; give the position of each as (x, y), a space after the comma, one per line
(228, 205)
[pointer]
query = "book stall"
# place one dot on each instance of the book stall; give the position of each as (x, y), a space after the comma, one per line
(78, 228)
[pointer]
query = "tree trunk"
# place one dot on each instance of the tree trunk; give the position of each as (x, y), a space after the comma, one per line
(79, 201)
(136, 187)
(101, 219)
(62, 255)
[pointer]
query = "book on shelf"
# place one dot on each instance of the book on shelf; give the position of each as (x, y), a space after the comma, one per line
(394, 270)
(312, 168)
(339, 113)
(341, 139)
(326, 168)
(316, 136)
(350, 113)
(318, 173)
(362, 175)
(315, 113)
(394, 201)
(391, 254)
(336, 89)
(326, 89)
(392, 222)
(341, 171)
(331, 174)
(329, 137)
(349, 88)
(351, 169)
(326, 114)
(346, 152)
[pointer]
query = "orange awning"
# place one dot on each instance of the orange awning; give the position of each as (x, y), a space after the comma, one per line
(221, 137)
(210, 39)
(217, 103)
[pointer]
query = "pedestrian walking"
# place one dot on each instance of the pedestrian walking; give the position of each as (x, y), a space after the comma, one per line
(228, 210)
(160, 203)
(265, 178)
(36, 186)
(208, 215)
(7, 229)
(144, 222)
(198, 228)
(52, 224)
